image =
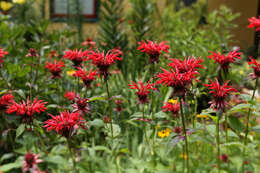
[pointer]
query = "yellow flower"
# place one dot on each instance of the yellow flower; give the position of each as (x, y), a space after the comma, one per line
(164, 133)
(241, 72)
(202, 116)
(5, 6)
(172, 101)
(70, 72)
(184, 156)
(19, 1)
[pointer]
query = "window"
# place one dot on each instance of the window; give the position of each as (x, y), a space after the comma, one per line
(61, 9)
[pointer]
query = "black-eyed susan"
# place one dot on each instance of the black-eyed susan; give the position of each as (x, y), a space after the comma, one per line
(164, 133)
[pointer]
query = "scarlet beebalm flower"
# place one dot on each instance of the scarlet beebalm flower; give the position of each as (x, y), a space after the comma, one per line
(104, 61)
(223, 158)
(70, 95)
(32, 53)
(65, 123)
(153, 49)
(2, 54)
(256, 66)
(225, 60)
(86, 76)
(30, 162)
(53, 53)
(55, 68)
(187, 64)
(27, 109)
(178, 81)
(254, 22)
(143, 90)
(172, 107)
(76, 56)
(220, 94)
(81, 106)
(5, 100)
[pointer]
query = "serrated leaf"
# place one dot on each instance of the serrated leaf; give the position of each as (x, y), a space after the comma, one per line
(20, 130)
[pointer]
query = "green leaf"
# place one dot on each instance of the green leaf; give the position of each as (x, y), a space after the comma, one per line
(235, 123)
(10, 166)
(239, 108)
(100, 98)
(160, 114)
(21, 93)
(57, 159)
(20, 130)
(6, 156)
(97, 123)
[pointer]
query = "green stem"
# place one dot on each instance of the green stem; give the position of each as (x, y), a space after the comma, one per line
(74, 170)
(144, 128)
(6, 82)
(217, 141)
(110, 110)
(31, 84)
(185, 135)
(247, 126)
(41, 142)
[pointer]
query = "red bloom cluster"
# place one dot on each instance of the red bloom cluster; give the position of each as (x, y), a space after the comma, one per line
(5, 100)
(172, 107)
(30, 162)
(178, 81)
(32, 53)
(2, 54)
(65, 124)
(225, 60)
(224, 158)
(153, 49)
(76, 56)
(55, 68)
(187, 64)
(256, 66)
(70, 95)
(143, 90)
(27, 109)
(220, 94)
(104, 61)
(81, 106)
(254, 22)
(86, 76)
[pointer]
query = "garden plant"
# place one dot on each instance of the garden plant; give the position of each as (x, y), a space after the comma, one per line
(155, 92)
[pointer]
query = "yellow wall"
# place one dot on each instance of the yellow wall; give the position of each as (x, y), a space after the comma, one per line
(247, 9)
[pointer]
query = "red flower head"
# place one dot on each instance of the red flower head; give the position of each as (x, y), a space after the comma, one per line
(153, 49)
(104, 61)
(225, 60)
(118, 51)
(55, 68)
(32, 53)
(223, 158)
(81, 106)
(254, 22)
(2, 54)
(65, 124)
(86, 76)
(90, 43)
(27, 109)
(220, 94)
(5, 100)
(177, 130)
(118, 107)
(178, 81)
(256, 66)
(172, 107)
(143, 90)
(70, 95)
(53, 53)
(30, 162)
(187, 64)
(76, 56)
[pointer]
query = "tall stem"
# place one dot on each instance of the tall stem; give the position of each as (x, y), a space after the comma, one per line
(185, 135)
(31, 74)
(247, 126)
(72, 156)
(110, 110)
(217, 141)
(144, 127)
